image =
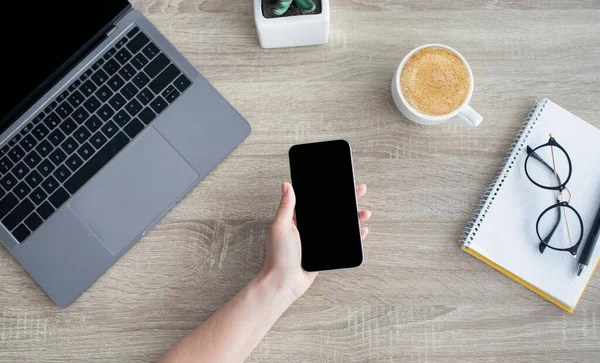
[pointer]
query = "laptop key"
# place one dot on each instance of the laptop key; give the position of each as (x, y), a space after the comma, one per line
(150, 51)
(62, 173)
(21, 190)
(58, 156)
(52, 120)
(127, 72)
(80, 115)
(16, 154)
(105, 112)
(121, 118)
(45, 168)
(39, 118)
(145, 96)
(159, 104)
(97, 161)
(4, 150)
(25, 130)
(157, 65)
(50, 185)
(21, 233)
(117, 101)
(7, 204)
(99, 77)
(14, 140)
(75, 99)
(64, 110)
(98, 140)
(121, 43)
(45, 210)
(56, 137)
(137, 43)
(33, 179)
(62, 96)
(51, 107)
(139, 61)
(33, 221)
(38, 196)
(182, 83)
(82, 134)
(86, 74)
(93, 123)
(111, 67)
(116, 82)
(133, 128)
(85, 151)
(74, 162)
(98, 64)
(5, 165)
(140, 80)
(8, 181)
(40, 132)
(147, 115)
(92, 104)
(133, 107)
(109, 129)
(74, 85)
(104, 93)
(123, 56)
(18, 214)
(110, 53)
(129, 91)
(59, 197)
(69, 145)
(20, 170)
(88, 88)
(28, 143)
(133, 32)
(32, 159)
(170, 94)
(164, 79)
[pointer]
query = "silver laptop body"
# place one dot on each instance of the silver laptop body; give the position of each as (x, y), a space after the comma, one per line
(152, 156)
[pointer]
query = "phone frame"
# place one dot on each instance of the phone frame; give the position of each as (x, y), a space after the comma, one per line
(347, 144)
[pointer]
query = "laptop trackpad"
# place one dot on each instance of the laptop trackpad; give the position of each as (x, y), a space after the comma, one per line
(133, 191)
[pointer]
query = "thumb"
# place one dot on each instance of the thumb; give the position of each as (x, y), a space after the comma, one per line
(288, 202)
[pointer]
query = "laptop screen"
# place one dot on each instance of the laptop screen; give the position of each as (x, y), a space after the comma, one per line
(41, 39)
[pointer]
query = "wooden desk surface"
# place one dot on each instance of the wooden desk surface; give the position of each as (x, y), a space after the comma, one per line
(417, 298)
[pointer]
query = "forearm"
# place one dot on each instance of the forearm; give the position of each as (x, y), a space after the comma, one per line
(231, 333)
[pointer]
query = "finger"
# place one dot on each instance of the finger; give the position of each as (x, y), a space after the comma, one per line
(361, 190)
(288, 202)
(364, 232)
(364, 215)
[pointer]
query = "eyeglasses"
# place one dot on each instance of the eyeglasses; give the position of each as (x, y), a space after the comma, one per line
(560, 224)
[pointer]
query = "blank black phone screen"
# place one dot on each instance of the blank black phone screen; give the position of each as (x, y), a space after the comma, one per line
(326, 207)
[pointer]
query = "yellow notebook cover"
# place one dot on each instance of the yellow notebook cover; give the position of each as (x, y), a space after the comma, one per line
(502, 232)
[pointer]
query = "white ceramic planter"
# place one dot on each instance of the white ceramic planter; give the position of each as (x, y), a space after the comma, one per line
(292, 31)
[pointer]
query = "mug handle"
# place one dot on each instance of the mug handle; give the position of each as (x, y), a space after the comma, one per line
(469, 116)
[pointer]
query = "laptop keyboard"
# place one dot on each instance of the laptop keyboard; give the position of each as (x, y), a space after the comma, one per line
(81, 130)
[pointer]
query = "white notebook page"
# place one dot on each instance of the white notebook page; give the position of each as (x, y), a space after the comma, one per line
(508, 236)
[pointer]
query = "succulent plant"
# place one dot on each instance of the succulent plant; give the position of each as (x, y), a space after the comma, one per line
(282, 5)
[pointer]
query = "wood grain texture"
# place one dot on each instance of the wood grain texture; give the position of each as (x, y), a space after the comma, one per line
(417, 298)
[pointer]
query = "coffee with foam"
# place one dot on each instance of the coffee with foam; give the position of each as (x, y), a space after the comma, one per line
(435, 81)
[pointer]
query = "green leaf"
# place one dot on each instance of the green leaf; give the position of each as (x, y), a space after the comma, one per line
(307, 6)
(282, 6)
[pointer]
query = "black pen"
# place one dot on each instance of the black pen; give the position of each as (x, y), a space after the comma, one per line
(590, 246)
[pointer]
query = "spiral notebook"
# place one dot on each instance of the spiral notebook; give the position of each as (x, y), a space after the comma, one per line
(502, 231)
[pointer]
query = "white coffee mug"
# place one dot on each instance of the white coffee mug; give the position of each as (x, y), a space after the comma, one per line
(465, 113)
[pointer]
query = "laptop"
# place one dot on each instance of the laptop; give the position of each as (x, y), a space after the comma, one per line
(104, 127)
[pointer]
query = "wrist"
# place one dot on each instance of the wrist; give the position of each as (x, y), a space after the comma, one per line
(276, 286)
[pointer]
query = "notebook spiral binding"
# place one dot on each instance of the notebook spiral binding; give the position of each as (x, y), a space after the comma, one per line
(489, 195)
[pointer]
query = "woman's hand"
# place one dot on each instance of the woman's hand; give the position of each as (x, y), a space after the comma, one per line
(284, 252)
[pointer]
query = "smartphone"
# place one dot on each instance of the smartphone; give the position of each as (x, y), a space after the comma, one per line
(326, 205)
